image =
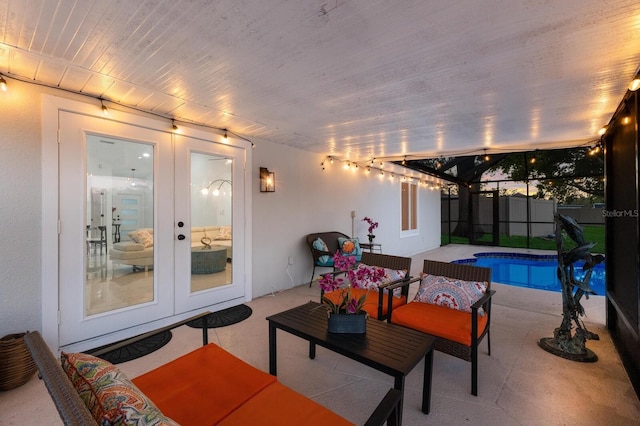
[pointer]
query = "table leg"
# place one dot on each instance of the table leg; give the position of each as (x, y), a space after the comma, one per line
(426, 384)
(273, 353)
(399, 385)
(312, 350)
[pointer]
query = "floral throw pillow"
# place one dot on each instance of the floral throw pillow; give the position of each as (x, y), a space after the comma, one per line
(141, 236)
(109, 395)
(449, 292)
(390, 275)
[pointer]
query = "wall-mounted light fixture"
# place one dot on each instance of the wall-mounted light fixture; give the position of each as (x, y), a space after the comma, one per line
(267, 180)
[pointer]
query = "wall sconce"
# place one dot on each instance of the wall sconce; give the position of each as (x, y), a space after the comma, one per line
(267, 180)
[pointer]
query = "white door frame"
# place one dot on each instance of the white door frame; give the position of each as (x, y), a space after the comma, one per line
(50, 304)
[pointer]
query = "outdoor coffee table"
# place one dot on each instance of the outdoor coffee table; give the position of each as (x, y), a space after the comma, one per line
(389, 348)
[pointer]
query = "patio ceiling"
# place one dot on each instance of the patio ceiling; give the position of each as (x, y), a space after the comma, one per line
(355, 79)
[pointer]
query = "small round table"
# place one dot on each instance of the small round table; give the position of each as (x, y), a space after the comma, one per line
(208, 260)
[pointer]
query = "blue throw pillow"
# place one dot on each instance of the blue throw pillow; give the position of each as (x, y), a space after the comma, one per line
(350, 247)
(320, 245)
(325, 260)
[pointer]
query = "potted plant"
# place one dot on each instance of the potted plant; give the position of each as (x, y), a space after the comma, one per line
(346, 315)
(372, 225)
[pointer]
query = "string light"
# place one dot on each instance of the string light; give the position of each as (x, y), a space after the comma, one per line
(626, 115)
(635, 83)
(368, 167)
(105, 111)
(3, 87)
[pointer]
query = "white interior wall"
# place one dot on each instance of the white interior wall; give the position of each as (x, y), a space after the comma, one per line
(306, 200)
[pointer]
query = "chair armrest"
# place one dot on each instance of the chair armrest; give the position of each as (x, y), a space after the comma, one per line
(318, 253)
(387, 411)
(484, 299)
(396, 284)
(401, 283)
(71, 408)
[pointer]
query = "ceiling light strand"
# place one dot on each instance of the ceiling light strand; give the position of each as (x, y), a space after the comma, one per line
(131, 107)
(427, 180)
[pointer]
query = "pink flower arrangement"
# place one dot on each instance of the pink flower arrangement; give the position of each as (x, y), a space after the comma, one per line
(353, 278)
(372, 225)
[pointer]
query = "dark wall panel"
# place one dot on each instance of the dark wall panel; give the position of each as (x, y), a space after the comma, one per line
(622, 226)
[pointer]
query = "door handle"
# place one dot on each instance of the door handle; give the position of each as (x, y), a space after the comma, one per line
(181, 237)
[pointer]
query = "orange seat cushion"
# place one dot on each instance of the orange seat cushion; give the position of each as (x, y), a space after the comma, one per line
(204, 386)
(438, 321)
(371, 302)
(278, 405)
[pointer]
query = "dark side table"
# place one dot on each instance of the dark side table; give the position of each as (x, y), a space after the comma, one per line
(372, 247)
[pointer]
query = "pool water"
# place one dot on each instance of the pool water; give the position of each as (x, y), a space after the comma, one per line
(532, 271)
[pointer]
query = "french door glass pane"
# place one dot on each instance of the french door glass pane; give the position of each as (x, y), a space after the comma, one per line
(119, 230)
(211, 230)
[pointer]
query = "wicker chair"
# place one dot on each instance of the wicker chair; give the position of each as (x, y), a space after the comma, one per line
(386, 302)
(331, 240)
(468, 353)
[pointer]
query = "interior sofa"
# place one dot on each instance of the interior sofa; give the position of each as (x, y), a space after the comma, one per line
(139, 254)
(208, 386)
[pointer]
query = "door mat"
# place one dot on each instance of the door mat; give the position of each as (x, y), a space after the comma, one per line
(135, 350)
(225, 317)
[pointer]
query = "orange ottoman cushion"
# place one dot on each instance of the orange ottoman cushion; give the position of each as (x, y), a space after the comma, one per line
(204, 386)
(438, 321)
(278, 405)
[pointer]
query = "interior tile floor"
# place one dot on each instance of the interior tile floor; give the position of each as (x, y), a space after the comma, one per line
(519, 384)
(111, 285)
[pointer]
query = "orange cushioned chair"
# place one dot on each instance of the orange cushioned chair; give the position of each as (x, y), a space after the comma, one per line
(378, 303)
(459, 332)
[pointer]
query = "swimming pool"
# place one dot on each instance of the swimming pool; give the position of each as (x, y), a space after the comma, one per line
(532, 271)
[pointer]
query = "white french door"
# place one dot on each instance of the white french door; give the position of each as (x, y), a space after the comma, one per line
(151, 180)
(78, 320)
(209, 195)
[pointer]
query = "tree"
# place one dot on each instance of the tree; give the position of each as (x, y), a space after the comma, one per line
(564, 174)
(467, 172)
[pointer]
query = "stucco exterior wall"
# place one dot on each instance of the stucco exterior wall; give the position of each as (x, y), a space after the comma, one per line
(307, 199)
(20, 177)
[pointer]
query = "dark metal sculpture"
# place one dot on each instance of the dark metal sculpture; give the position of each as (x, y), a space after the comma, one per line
(565, 342)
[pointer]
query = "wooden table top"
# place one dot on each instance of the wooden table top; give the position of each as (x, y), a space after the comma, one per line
(389, 348)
